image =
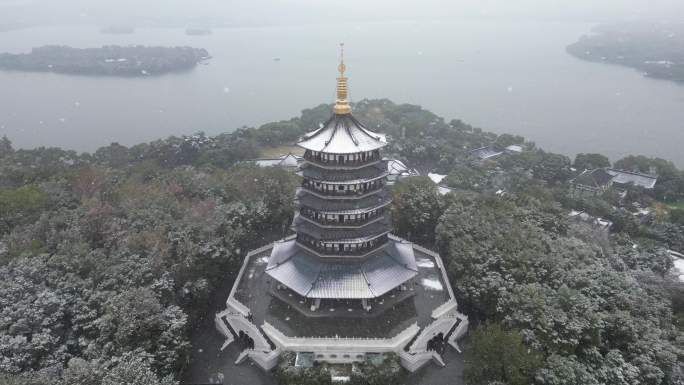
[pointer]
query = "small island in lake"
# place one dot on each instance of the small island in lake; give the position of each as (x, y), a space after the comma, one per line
(118, 30)
(198, 31)
(655, 49)
(108, 60)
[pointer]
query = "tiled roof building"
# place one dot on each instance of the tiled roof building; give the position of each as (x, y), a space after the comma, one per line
(598, 181)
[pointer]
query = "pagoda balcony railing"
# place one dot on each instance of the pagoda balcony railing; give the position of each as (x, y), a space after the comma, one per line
(342, 193)
(344, 223)
(380, 175)
(339, 249)
(325, 206)
(335, 162)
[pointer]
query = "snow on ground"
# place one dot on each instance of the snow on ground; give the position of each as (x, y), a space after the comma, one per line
(679, 268)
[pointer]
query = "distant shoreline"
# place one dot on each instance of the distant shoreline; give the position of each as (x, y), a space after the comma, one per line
(654, 49)
(128, 61)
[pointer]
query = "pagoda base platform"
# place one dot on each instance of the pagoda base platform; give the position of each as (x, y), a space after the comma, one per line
(406, 320)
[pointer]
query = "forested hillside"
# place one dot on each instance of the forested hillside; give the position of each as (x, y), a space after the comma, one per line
(106, 259)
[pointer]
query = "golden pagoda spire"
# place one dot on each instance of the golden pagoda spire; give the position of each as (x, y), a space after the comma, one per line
(342, 101)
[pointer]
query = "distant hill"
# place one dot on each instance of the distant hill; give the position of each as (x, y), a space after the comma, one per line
(655, 49)
(107, 61)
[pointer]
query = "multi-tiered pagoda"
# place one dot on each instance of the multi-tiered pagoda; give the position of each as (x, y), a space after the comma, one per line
(342, 287)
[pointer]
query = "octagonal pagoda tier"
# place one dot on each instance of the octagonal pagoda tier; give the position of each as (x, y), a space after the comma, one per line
(343, 202)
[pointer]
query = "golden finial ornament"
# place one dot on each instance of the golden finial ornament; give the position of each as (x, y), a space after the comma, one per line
(342, 103)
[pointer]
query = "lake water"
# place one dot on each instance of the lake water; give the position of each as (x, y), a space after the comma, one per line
(502, 76)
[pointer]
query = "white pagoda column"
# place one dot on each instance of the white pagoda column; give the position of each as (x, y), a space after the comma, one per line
(365, 305)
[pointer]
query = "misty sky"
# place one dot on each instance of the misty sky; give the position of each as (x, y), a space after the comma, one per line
(259, 12)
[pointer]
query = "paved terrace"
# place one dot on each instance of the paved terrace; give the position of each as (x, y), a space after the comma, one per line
(390, 314)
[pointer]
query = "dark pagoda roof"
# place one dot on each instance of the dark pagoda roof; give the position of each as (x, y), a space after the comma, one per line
(343, 206)
(361, 234)
(342, 134)
(310, 277)
(593, 178)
